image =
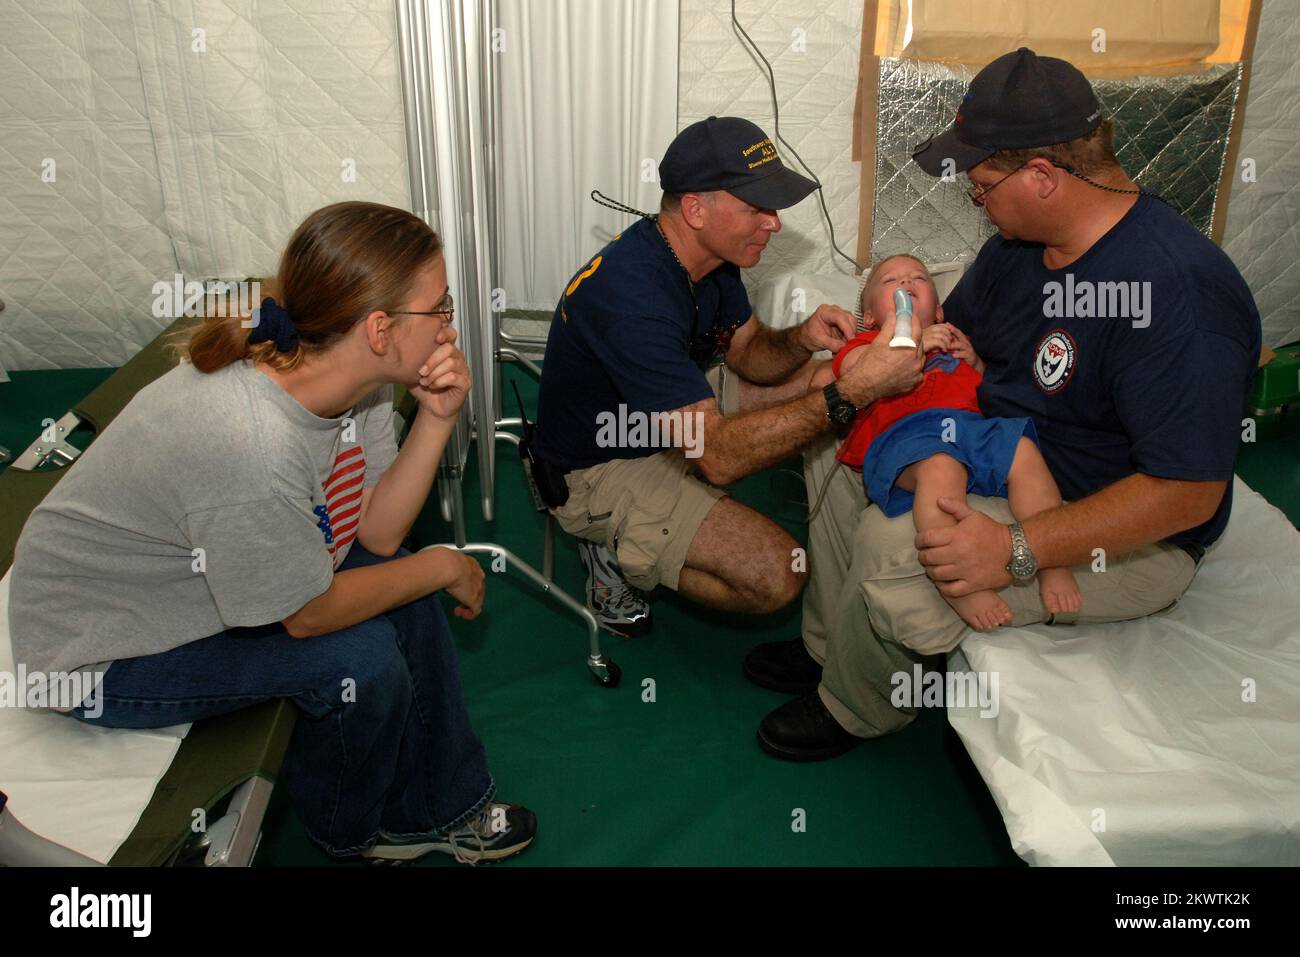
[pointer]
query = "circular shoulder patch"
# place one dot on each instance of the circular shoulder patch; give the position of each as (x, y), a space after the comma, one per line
(1054, 361)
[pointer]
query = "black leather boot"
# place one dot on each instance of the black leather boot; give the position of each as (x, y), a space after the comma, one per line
(803, 730)
(783, 666)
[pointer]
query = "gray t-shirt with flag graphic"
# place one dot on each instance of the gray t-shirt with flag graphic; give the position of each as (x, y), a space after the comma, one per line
(212, 501)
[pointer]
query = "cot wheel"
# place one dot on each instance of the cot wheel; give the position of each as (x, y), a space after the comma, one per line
(607, 674)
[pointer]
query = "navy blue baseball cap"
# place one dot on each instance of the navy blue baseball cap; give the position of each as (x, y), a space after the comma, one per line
(1018, 101)
(730, 153)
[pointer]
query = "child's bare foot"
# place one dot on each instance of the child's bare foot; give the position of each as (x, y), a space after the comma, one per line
(1059, 590)
(982, 610)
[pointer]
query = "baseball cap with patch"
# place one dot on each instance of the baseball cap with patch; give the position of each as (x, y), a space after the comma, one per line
(732, 154)
(1018, 101)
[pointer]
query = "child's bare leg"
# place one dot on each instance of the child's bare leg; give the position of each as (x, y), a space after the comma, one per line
(1030, 490)
(928, 480)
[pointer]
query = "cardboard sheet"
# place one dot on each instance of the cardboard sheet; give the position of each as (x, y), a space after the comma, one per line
(1145, 38)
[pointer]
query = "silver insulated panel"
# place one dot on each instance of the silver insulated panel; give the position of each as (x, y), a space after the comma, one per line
(1171, 135)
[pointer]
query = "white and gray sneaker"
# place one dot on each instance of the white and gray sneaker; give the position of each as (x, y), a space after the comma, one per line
(499, 830)
(619, 607)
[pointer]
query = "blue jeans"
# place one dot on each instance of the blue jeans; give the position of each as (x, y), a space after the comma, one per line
(383, 741)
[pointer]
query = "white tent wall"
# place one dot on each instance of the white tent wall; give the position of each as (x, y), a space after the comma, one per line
(81, 212)
(812, 46)
(175, 152)
(133, 148)
(588, 101)
(299, 107)
(1262, 234)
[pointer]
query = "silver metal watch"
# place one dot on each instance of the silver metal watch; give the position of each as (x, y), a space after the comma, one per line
(1023, 565)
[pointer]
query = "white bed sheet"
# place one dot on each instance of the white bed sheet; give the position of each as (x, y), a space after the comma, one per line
(83, 787)
(1131, 744)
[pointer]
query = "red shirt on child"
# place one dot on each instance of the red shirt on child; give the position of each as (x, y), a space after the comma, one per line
(949, 383)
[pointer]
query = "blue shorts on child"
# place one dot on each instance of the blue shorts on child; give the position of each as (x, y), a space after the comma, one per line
(985, 446)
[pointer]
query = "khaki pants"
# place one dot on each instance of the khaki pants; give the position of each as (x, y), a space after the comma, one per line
(869, 609)
(645, 510)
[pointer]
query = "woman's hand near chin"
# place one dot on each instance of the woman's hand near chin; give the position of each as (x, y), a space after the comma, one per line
(444, 380)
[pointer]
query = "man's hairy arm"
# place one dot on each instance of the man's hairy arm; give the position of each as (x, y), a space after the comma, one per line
(1134, 512)
(1123, 517)
(765, 356)
(739, 445)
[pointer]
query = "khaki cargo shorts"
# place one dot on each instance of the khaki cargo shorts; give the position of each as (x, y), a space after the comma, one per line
(645, 510)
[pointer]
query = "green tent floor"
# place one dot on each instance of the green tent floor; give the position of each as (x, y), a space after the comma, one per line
(618, 779)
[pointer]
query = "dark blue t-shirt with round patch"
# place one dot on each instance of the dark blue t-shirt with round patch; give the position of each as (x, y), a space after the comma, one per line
(1136, 357)
(627, 333)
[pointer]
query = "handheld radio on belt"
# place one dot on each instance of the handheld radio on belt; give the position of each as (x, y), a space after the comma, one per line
(545, 483)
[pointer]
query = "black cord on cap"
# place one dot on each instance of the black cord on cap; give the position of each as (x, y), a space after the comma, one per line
(604, 200)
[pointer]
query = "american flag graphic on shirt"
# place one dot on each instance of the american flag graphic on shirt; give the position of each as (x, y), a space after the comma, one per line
(342, 508)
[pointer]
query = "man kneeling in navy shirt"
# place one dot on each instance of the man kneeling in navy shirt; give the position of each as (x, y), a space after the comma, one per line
(1126, 335)
(638, 421)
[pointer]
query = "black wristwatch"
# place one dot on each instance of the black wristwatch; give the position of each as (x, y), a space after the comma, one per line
(838, 409)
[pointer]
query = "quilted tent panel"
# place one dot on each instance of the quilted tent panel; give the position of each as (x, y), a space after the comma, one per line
(176, 151)
(813, 51)
(1262, 234)
(82, 237)
(1171, 135)
(295, 105)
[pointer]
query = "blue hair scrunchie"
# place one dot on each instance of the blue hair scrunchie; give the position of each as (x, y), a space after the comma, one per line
(271, 322)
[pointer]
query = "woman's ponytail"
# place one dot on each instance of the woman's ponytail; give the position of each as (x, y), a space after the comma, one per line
(342, 263)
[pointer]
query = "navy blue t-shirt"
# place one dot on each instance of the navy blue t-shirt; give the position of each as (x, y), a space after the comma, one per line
(1137, 357)
(627, 333)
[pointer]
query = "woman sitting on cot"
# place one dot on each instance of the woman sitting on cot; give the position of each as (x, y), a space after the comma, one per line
(235, 536)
